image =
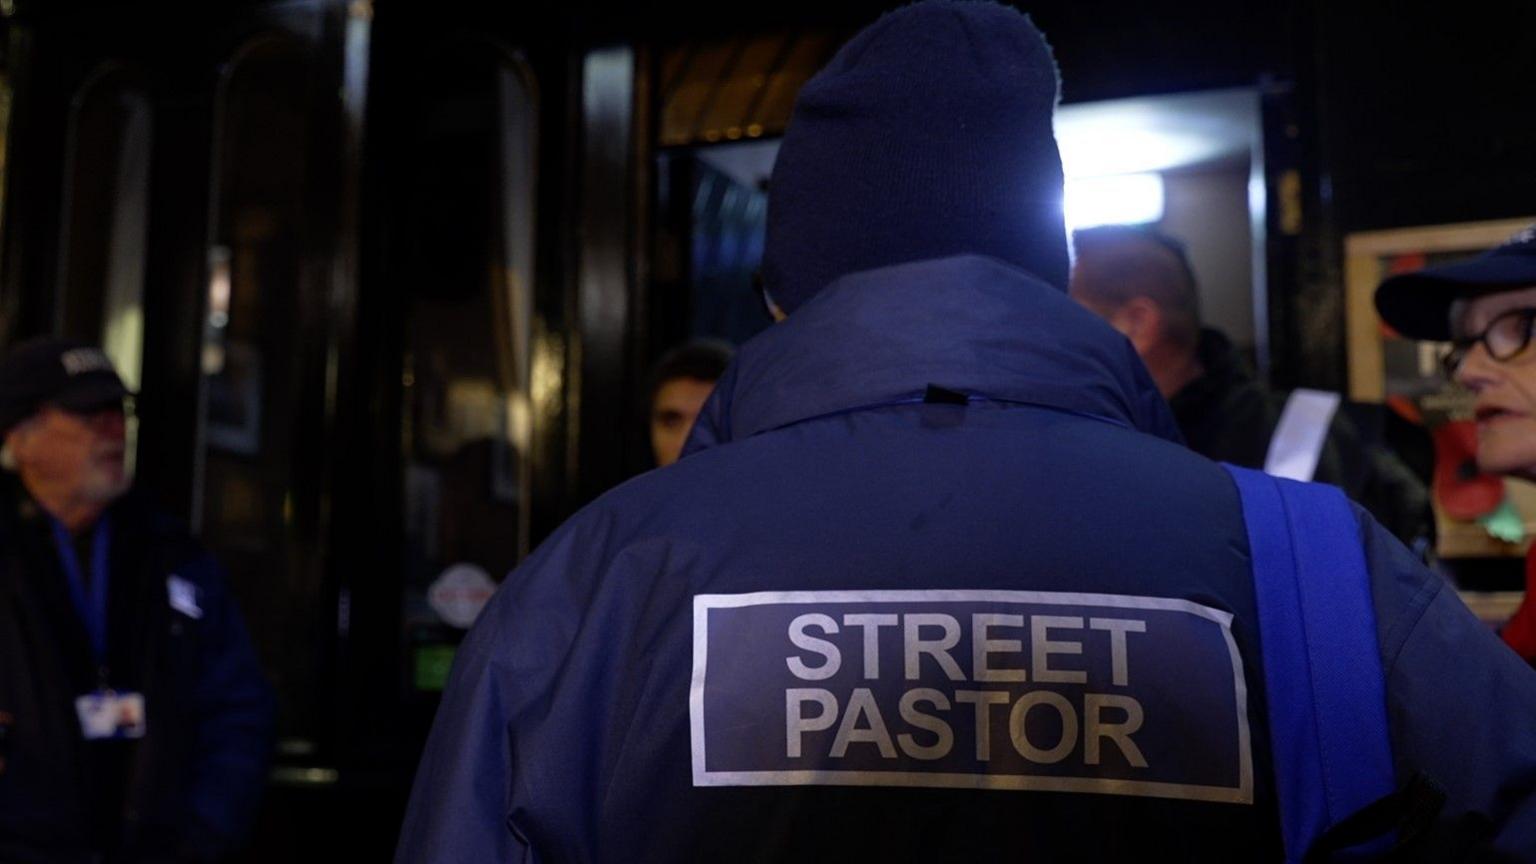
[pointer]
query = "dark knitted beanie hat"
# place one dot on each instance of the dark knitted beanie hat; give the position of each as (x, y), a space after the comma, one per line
(929, 134)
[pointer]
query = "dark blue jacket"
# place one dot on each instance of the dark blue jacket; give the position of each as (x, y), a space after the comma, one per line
(188, 789)
(943, 426)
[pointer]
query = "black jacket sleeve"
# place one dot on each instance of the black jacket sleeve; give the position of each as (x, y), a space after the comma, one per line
(233, 707)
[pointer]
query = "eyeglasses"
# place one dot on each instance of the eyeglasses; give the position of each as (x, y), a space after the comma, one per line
(1504, 338)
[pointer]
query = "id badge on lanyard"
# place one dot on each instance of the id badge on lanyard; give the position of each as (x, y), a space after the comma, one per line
(104, 713)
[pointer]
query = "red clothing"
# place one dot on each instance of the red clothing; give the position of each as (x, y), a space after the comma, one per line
(1520, 632)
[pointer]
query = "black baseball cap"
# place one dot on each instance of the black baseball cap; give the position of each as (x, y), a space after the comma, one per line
(1418, 304)
(76, 376)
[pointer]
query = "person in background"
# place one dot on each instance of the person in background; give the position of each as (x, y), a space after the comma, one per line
(138, 723)
(1485, 307)
(680, 382)
(1141, 282)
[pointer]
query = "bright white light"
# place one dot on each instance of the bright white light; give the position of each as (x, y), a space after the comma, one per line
(1090, 153)
(1117, 199)
(1156, 133)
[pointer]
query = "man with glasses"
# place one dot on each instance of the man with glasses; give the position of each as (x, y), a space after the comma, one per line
(1485, 307)
(134, 720)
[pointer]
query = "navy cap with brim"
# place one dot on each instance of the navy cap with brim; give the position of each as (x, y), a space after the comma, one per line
(86, 396)
(92, 393)
(1418, 304)
(39, 372)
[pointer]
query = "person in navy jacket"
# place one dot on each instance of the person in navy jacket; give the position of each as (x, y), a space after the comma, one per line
(935, 578)
(135, 723)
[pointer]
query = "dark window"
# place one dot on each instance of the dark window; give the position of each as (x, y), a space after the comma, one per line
(264, 360)
(468, 363)
(106, 213)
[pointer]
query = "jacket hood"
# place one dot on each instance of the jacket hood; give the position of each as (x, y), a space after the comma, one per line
(928, 135)
(969, 324)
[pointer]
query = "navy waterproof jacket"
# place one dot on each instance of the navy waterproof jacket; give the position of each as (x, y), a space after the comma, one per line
(187, 791)
(935, 579)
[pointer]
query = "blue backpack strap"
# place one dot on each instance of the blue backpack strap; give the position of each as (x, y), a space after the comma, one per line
(1322, 668)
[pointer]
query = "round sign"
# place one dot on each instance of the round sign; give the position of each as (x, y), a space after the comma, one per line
(459, 593)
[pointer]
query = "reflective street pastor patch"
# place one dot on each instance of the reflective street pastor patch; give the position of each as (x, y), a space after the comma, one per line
(972, 689)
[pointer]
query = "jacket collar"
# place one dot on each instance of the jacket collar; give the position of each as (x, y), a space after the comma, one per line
(969, 324)
(1224, 372)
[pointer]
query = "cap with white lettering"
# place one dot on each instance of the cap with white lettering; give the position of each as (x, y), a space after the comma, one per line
(72, 374)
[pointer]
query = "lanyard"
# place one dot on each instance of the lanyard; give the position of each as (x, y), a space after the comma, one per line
(90, 605)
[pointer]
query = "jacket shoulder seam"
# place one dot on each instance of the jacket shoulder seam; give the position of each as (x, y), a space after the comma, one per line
(1396, 637)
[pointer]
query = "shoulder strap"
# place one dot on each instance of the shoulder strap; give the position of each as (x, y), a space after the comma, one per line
(1322, 668)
